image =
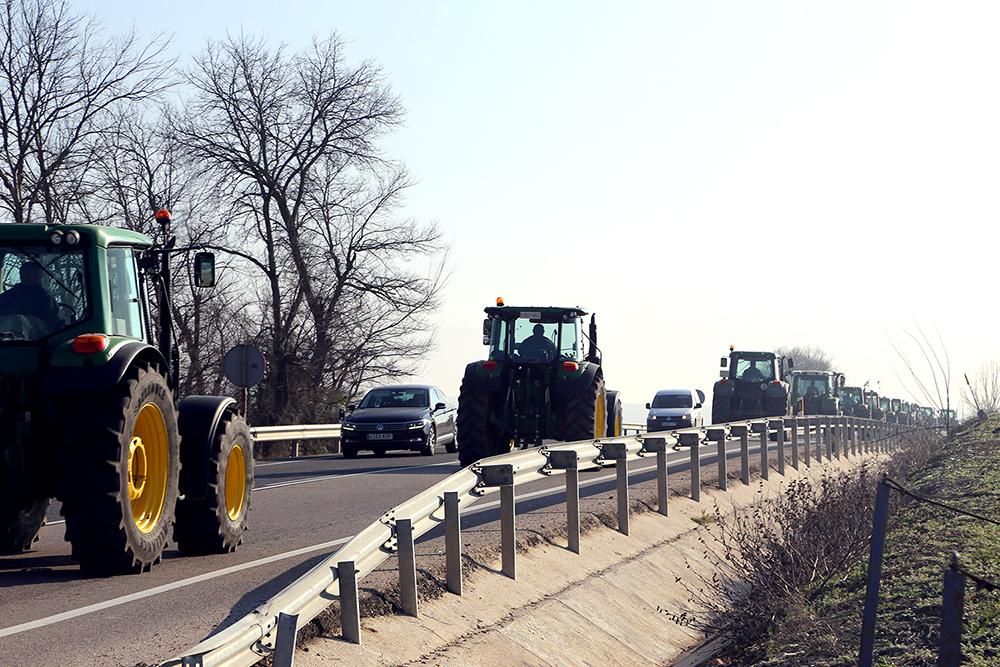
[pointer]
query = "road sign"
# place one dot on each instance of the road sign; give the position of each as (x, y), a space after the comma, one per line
(244, 365)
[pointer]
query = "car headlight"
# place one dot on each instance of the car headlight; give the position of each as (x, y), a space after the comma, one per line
(348, 426)
(420, 424)
(651, 418)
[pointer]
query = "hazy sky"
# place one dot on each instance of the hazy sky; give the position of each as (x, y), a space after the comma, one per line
(698, 173)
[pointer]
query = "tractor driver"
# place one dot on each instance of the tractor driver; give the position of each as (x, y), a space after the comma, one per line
(759, 371)
(30, 298)
(537, 345)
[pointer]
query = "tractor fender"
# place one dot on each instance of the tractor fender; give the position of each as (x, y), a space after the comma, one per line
(565, 387)
(479, 380)
(198, 420)
(71, 380)
(723, 389)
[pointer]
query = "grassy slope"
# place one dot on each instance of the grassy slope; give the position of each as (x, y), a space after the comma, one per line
(920, 541)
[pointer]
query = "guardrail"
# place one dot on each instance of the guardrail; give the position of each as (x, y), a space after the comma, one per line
(274, 623)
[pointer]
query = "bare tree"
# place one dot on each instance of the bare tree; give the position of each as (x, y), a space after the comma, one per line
(926, 374)
(292, 141)
(808, 358)
(60, 79)
(982, 394)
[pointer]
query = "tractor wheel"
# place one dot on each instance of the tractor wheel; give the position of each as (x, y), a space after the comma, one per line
(586, 413)
(124, 458)
(20, 523)
(720, 410)
(614, 420)
(479, 438)
(212, 515)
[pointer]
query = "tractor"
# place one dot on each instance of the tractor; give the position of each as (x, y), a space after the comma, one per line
(816, 392)
(853, 403)
(537, 383)
(90, 414)
(874, 405)
(752, 385)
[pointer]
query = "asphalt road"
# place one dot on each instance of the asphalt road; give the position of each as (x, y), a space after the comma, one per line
(303, 510)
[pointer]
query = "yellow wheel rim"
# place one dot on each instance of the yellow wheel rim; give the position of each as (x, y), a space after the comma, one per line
(148, 468)
(618, 424)
(236, 482)
(600, 418)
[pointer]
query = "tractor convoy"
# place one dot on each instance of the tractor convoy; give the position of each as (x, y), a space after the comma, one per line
(90, 412)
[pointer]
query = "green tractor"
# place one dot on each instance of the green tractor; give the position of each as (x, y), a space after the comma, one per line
(752, 385)
(90, 414)
(816, 392)
(536, 384)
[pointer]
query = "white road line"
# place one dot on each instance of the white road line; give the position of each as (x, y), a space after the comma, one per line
(132, 597)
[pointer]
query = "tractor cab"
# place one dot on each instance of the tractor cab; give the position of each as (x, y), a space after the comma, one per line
(752, 385)
(538, 335)
(816, 392)
(852, 402)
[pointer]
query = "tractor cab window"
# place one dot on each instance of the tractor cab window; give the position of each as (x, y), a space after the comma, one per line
(851, 395)
(42, 291)
(754, 370)
(123, 283)
(535, 341)
(810, 386)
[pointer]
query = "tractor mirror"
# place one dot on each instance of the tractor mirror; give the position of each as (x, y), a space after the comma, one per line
(791, 362)
(697, 405)
(487, 331)
(204, 269)
(723, 362)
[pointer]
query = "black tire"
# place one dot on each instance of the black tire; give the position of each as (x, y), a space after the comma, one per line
(479, 437)
(430, 449)
(720, 410)
(586, 412)
(212, 515)
(104, 452)
(379, 452)
(349, 451)
(614, 419)
(20, 523)
(452, 445)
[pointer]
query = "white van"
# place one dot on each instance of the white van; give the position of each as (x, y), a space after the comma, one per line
(675, 408)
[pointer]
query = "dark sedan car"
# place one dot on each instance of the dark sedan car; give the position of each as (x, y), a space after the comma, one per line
(412, 417)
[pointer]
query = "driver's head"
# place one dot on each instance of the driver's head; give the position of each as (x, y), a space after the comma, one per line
(31, 274)
(538, 330)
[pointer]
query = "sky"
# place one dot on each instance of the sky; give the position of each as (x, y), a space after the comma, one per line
(698, 174)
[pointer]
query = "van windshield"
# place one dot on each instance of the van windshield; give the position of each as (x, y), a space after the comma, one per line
(672, 401)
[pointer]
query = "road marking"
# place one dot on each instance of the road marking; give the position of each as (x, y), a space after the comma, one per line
(132, 597)
(321, 478)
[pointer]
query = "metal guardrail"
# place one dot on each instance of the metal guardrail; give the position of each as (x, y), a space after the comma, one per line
(295, 432)
(336, 578)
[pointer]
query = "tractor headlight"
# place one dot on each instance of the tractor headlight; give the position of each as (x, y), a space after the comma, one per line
(56, 238)
(72, 237)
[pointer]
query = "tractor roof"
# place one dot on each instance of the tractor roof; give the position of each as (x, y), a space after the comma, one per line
(759, 355)
(808, 372)
(543, 313)
(102, 236)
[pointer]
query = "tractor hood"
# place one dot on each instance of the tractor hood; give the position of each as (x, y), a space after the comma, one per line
(386, 415)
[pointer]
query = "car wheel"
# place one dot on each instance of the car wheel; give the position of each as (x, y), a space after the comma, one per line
(430, 449)
(452, 445)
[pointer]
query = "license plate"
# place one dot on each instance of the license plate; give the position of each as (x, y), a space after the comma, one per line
(380, 436)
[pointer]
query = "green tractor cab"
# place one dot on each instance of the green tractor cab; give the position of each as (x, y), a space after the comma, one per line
(537, 383)
(90, 414)
(853, 403)
(816, 392)
(752, 385)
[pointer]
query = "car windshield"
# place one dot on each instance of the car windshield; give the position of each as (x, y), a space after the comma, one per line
(532, 340)
(671, 401)
(754, 370)
(396, 398)
(43, 290)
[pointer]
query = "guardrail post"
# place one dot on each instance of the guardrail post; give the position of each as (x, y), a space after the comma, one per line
(740, 431)
(795, 442)
(295, 448)
(350, 612)
(407, 560)
(693, 440)
(828, 437)
(718, 435)
(453, 542)
(567, 460)
(806, 433)
(502, 475)
(617, 452)
(659, 446)
(761, 429)
(779, 426)
(284, 643)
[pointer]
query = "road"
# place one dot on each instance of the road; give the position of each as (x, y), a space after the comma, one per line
(302, 511)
